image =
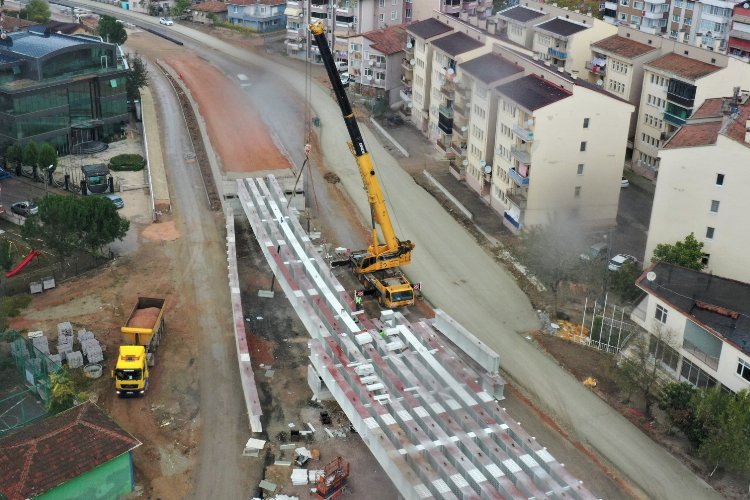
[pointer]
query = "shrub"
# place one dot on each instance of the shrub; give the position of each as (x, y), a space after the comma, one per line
(127, 162)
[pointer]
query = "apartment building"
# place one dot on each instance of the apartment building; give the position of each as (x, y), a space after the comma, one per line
(448, 52)
(376, 59)
(262, 16)
(649, 16)
(517, 23)
(474, 117)
(559, 147)
(674, 85)
(703, 23)
(699, 326)
(739, 32)
(68, 91)
(423, 33)
(704, 186)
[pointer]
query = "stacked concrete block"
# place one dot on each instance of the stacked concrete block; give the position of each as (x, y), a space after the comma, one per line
(19, 349)
(53, 362)
(41, 343)
(64, 349)
(84, 334)
(92, 350)
(75, 359)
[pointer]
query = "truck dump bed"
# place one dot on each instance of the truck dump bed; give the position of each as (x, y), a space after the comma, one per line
(144, 322)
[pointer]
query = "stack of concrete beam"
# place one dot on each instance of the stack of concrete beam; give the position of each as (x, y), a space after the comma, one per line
(299, 477)
(64, 329)
(41, 343)
(54, 361)
(84, 335)
(75, 359)
(422, 411)
(64, 349)
(92, 350)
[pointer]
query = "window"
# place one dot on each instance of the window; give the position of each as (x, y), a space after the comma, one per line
(393, 2)
(624, 2)
(676, 18)
(719, 179)
(638, 5)
(623, 16)
(583, 145)
(381, 18)
(585, 123)
(705, 259)
(661, 351)
(635, 19)
(710, 233)
(660, 314)
(407, 13)
(580, 169)
(381, 3)
(577, 192)
(394, 15)
(714, 206)
(743, 369)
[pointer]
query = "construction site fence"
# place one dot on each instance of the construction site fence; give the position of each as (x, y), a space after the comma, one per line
(606, 327)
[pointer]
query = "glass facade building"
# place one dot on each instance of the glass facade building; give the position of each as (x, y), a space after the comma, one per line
(61, 89)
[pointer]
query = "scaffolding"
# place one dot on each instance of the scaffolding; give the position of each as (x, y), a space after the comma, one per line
(28, 400)
(608, 329)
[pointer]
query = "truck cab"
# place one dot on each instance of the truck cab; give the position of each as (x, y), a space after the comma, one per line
(131, 372)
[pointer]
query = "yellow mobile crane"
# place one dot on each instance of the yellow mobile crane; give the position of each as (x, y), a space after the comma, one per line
(377, 267)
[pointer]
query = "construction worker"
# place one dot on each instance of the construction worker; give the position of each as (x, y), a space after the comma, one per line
(358, 301)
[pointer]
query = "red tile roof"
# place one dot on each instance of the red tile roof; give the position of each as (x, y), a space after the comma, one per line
(212, 6)
(622, 46)
(697, 134)
(683, 66)
(389, 40)
(40, 456)
(9, 23)
(705, 133)
(710, 108)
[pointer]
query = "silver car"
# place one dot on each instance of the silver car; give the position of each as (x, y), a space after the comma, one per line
(24, 208)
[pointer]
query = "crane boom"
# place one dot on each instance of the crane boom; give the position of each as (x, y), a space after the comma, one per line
(392, 252)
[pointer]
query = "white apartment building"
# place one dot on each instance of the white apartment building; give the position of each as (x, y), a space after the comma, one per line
(704, 186)
(739, 33)
(448, 52)
(700, 332)
(559, 147)
(474, 117)
(517, 23)
(375, 61)
(566, 43)
(674, 85)
(703, 23)
(423, 33)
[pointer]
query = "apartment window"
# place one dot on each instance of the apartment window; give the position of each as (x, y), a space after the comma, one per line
(623, 16)
(583, 145)
(381, 18)
(624, 2)
(705, 259)
(714, 206)
(407, 13)
(393, 2)
(719, 179)
(585, 123)
(580, 169)
(577, 192)
(710, 233)
(690, 5)
(381, 3)
(394, 15)
(660, 314)
(638, 5)
(743, 369)
(635, 19)
(676, 18)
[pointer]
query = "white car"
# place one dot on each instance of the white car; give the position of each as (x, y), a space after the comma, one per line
(624, 183)
(616, 262)
(166, 21)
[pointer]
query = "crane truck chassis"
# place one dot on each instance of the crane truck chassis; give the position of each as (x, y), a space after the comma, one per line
(377, 267)
(141, 336)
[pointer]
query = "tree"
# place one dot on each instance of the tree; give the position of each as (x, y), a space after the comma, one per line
(14, 154)
(687, 253)
(552, 252)
(47, 156)
(37, 11)
(622, 281)
(64, 391)
(67, 223)
(725, 418)
(181, 7)
(137, 77)
(31, 157)
(676, 401)
(111, 31)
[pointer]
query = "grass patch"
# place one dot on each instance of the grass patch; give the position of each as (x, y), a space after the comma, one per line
(11, 307)
(127, 162)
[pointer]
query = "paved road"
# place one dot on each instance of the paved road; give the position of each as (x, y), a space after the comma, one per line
(461, 279)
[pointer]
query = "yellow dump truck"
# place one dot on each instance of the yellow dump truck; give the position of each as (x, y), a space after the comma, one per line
(140, 338)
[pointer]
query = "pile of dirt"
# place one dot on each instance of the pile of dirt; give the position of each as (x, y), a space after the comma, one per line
(144, 318)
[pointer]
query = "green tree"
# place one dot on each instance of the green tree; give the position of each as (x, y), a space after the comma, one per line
(14, 155)
(67, 223)
(47, 156)
(31, 157)
(686, 253)
(622, 281)
(725, 419)
(64, 393)
(181, 7)
(37, 11)
(137, 77)
(552, 252)
(676, 398)
(111, 31)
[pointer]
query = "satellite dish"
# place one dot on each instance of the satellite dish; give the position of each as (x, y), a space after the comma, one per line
(413, 62)
(409, 45)
(301, 14)
(463, 129)
(410, 105)
(651, 276)
(482, 163)
(488, 169)
(450, 71)
(465, 163)
(600, 82)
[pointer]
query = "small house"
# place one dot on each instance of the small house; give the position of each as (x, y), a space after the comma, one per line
(97, 177)
(211, 12)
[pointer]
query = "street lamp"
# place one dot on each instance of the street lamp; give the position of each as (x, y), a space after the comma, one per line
(47, 173)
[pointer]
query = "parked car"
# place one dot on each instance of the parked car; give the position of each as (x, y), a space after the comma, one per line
(346, 78)
(116, 200)
(24, 208)
(624, 183)
(595, 251)
(166, 21)
(393, 121)
(616, 262)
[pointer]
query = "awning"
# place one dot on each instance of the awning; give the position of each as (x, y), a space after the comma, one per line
(292, 12)
(738, 43)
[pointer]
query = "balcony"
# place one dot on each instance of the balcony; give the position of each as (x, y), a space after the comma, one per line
(511, 220)
(406, 64)
(520, 180)
(696, 351)
(673, 119)
(596, 69)
(448, 89)
(610, 5)
(446, 126)
(517, 196)
(294, 46)
(459, 112)
(445, 144)
(295, 34)
(446, 111)
(459, 148)
(557, 54)
(521, 153)
(685, 102)
(378, 82)
(525, 134)
(469, 5)
(739, 34)
(405, 94)
(452, 6)
(459, 132)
